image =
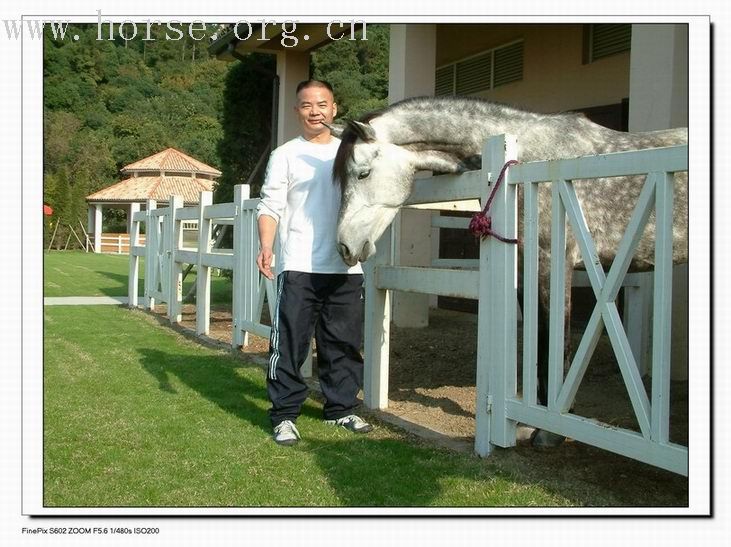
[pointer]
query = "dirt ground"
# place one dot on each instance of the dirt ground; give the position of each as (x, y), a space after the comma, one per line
(432, 385)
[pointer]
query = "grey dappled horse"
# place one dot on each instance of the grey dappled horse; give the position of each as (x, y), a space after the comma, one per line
(380, 154)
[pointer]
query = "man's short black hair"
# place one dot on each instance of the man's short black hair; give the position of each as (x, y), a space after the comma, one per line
(314, 83)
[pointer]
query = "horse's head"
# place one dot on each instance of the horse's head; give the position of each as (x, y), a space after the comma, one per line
(376, 177)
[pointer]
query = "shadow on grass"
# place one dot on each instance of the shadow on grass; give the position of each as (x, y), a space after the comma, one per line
(365, 471)
(389, 472)
(122, 288)
(215, 378)
(362, 470)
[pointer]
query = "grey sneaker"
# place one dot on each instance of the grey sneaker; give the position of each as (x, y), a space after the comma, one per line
(285, 433)
(353, 423)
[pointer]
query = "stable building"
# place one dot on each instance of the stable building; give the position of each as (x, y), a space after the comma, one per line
(170, 172)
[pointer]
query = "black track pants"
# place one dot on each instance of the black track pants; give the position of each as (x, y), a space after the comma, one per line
(329, 305)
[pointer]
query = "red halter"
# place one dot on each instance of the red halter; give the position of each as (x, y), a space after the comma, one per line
(481, 223)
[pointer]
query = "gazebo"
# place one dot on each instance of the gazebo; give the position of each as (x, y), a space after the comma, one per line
(157, 177)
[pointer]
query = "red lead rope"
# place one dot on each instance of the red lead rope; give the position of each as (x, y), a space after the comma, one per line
(481, 223)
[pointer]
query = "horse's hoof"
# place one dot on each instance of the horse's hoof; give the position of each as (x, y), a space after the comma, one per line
(546, 439)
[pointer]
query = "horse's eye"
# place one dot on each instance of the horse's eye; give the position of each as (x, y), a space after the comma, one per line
(364, 174)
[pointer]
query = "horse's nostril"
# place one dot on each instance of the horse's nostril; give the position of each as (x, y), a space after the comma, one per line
(343, 250)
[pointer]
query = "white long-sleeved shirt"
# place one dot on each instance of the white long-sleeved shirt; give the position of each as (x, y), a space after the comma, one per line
(300, 195)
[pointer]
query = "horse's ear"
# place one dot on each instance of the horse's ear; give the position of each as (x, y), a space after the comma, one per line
(336, 130)
(364, 130)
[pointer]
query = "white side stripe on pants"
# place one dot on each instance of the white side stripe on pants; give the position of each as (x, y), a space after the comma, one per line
(274, 358)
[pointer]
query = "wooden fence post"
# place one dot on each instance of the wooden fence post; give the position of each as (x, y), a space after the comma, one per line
(377, 328)
(174, 236)
(150, 254)
(203, 272)
(241, 242)
(497, 321)
(134, 260)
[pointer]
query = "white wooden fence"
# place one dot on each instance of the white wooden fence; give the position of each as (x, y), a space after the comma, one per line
(494, 283)
(117, 243)
(637, 287)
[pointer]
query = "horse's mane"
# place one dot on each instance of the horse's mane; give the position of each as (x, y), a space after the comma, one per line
(345, 151)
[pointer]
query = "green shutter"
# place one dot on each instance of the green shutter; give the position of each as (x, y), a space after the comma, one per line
(508, 64)
(474, 74)
(481, 72)
(444, 81)
(609, 39)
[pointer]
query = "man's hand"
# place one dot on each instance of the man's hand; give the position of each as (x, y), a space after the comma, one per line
(264, 262)
(267, 231)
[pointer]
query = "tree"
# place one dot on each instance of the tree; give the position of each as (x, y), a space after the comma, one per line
(108, 103)
(357, 70)
(246, 117)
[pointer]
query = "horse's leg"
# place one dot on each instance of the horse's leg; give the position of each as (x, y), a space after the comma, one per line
(543, 438)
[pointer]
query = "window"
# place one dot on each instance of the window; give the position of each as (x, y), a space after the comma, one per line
(481, 72)
(605, 40)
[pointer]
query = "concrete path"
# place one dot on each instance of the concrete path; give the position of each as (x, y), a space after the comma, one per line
(84, 300)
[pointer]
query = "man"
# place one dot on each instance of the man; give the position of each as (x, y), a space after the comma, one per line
(317, 292)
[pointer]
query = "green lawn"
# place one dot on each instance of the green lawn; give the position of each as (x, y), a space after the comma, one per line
(75, 273)
(137, 415)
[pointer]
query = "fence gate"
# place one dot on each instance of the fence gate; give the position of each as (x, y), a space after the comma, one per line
(499, 407)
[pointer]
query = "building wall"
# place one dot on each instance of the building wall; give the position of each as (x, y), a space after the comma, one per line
(554, 78)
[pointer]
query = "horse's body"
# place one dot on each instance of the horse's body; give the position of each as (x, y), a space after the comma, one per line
(379, 156)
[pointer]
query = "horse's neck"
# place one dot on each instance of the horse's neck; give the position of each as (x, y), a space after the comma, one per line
(448, 124)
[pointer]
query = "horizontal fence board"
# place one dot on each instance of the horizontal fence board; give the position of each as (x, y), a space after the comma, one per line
(250, 204)
(636, 162)
(455, 283)
(218, 260)
(256, 328)
(628, 443)
(220, 210)
(446, 188)
(158, 296)
(456, 223)
(581, 279)
(186, 257)
(160, 212)
(456, 263)
(187, 213)
(470, 205)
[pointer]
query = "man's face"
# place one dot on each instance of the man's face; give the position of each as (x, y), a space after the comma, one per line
(315, 105)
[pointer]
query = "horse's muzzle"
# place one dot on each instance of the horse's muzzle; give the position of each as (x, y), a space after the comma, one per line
(351, 258)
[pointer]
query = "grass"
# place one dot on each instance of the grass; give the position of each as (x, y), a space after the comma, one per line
(75, 273)
(135, 415)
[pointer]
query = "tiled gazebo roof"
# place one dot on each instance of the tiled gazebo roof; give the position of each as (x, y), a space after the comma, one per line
(159, 176)
(171, 161)
(140, 189)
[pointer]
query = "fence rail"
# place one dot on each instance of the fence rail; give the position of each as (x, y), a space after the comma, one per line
(165, 256)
